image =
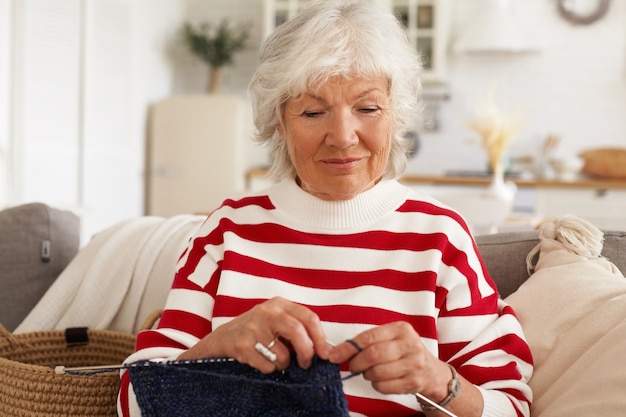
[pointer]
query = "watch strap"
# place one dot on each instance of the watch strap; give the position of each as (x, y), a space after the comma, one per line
(453, 392)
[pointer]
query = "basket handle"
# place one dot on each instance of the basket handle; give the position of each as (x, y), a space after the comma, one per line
(151, 319)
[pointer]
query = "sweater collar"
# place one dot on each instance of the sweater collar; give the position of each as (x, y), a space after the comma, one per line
(364, 209)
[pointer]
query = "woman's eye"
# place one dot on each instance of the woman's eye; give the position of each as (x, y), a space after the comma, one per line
(368, 109)
(311, 114)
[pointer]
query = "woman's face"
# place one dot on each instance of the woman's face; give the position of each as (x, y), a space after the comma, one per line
(339, 136)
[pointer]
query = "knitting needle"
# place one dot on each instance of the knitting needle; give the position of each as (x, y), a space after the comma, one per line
(60, 369)
(434, 404)
(421, 397)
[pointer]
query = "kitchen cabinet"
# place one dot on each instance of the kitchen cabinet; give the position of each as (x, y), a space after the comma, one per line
(427, 23)
(605, 207)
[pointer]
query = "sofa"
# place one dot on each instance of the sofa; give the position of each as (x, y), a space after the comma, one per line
(584, 380)
(36, 243)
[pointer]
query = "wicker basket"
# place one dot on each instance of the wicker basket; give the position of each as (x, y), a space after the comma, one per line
(29, 386)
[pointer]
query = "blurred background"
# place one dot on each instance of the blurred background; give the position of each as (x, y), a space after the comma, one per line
(83, 85)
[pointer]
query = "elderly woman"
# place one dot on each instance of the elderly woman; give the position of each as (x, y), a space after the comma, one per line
(338, 259)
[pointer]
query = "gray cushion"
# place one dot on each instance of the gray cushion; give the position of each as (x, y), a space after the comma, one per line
(29, 265)
(505, 255)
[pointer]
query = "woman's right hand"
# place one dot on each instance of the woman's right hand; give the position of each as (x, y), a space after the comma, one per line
(294, 328)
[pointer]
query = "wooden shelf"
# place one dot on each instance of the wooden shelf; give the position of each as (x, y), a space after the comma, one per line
(582, 182)
(424, 179)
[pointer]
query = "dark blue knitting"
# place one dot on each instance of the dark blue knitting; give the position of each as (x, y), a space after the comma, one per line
(228, 388)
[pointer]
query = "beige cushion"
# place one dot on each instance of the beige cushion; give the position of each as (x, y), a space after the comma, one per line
(573, 312)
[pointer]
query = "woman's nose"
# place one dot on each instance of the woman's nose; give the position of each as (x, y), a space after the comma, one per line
(342, 131)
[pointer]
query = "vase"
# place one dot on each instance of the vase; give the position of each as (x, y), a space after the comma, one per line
(498, 188)
(215, 80)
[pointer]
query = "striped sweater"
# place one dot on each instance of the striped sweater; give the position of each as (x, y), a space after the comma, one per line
(389, 254)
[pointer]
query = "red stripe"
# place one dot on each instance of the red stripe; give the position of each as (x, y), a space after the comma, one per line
(232, 307)
(375, 240)
(416, 206)
(510, 343)
(150, 338)
(177, 319)
(371, 240)
(479, 307)
(480, 375)
(260, 201)
(320, 278)
(123, 397)
(379, 408)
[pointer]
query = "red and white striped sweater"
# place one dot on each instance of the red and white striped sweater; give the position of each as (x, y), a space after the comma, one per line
(389, 254)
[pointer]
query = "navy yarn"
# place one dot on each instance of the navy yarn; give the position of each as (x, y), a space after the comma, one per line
(228, 388)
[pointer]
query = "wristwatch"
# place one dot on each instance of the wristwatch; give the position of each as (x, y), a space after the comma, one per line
(453, 391)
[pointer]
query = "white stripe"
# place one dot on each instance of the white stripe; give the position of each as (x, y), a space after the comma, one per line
(426, 223)
(206, 265)
(251, 287)
(357, 260)
(463, 328)
(359, 387)
(195, 302)
(337, 258)
(339, 332)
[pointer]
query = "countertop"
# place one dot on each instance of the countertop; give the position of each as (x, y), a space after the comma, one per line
(434, 179)
(580, 182)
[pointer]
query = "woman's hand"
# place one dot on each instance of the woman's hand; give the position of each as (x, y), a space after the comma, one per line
(293, 328)
(396, 361)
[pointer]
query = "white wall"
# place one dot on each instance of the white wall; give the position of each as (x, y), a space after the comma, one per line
(129, 68)
(73, 108)
(574, 86)
(5, 88)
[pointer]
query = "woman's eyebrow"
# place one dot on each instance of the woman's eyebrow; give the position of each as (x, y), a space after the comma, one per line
(356, 97)
(367, 92)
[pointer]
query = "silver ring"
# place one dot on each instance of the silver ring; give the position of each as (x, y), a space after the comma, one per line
(272, 343)
(265, 351)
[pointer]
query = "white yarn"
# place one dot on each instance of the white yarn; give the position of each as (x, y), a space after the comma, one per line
(575, 234)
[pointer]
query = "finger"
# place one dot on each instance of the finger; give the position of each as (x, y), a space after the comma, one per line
(376, 346)
(298, 327)
(344, 351)
(313, 328)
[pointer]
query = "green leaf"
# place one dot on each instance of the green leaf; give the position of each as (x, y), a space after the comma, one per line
(215, 45)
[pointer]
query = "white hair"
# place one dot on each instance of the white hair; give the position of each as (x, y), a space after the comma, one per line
(351, 39)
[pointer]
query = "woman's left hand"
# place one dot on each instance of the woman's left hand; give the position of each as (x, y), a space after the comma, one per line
(396, 361)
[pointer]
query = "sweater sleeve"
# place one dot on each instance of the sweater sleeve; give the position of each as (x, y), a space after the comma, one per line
(480, 335)
(186, 317)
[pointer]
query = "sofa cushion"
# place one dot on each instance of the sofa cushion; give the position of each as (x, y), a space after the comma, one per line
(36, 243)
(573, 312)
(505, 253)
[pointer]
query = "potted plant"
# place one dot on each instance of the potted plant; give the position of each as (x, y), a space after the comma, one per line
(215, 45)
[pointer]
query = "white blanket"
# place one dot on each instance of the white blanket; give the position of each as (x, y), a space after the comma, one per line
(573, 312)
(118, 278)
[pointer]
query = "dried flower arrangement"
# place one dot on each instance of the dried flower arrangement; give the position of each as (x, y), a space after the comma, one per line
(496, 130)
